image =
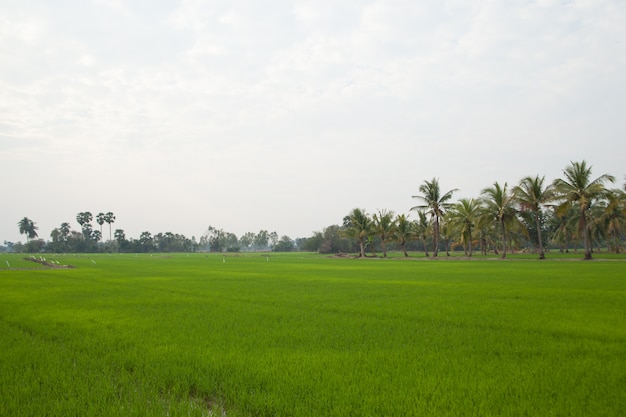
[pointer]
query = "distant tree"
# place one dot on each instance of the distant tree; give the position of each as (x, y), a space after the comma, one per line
(463, 217)
(532, 196)
(578, 189)
(403, 232)
(246, 240)
(28, 228)
(120, 238)
(273, 238)
(84, 220)
(613, 217)
(100, 220)
(383, 225)
(435, 204)
(285, 244)
(422, 229)
(96, 235)
(498, 203)
(358, 226)
(109, 217)
(312, 243)
(261, 240)
(146, 242)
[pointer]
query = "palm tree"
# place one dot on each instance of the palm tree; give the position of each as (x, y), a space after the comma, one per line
(498, 203)
(403, 232)
(383, 225)
(532, 195)
(463, 216)
(359, 226)
(28, 228)
(421, 227)
(84, 219)
(578, 189)
(100, 221)
(614, 216)
(435, 205)
(109, 218)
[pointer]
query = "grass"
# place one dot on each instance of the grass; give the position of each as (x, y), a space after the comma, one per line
(302, 335)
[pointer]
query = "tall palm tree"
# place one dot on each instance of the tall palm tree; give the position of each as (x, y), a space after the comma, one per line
(84, 219)
(28, 228)
(463, 216)
(435, 203)
(359, 226)
(578, 189)
(532, 196)
(403, 232)
(498, 202)
(100, 221)
(109, 217)
(383, 225)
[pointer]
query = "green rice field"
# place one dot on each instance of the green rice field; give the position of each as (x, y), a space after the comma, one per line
(308, 335)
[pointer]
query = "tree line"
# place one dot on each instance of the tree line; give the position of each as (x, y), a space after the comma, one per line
(577, 209)
(572, 211)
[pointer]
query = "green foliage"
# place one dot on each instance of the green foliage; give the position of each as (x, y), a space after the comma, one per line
(298, 335)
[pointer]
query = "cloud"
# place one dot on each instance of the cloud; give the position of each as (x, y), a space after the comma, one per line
(301, 106)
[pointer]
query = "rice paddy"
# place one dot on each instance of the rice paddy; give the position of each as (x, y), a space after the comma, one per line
(304, 335)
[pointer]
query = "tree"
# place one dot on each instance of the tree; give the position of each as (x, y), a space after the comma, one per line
(358, 226)
(403, 232)
(498, 203)
(383, 225)
(579, 190)
(100, 221)
(120, 237)
(285, 244)
(463, 217)
(435, 204)
(421, 227)
(532, 196)
(84, 219)
(109, 217)
(613, 216)
(145, 240)
(28, 228)
(96, 236)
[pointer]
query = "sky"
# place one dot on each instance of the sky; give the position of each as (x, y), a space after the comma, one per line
(285, 115)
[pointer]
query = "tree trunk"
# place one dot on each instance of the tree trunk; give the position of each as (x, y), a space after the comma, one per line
(540, 242)
(583, 226)
(435, 237)
(470, 242)
(503, 239)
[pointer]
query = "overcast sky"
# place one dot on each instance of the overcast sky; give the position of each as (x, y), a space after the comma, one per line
(285, 115)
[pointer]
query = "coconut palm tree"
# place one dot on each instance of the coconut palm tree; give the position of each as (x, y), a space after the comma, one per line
(532, 196)
(383, 226)
(578, 189)
(498, 203)
(403, 232)
(28, 228)
(463, 217)
(613, 216)
(358, 225)
(435, 203)
(421, 227)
